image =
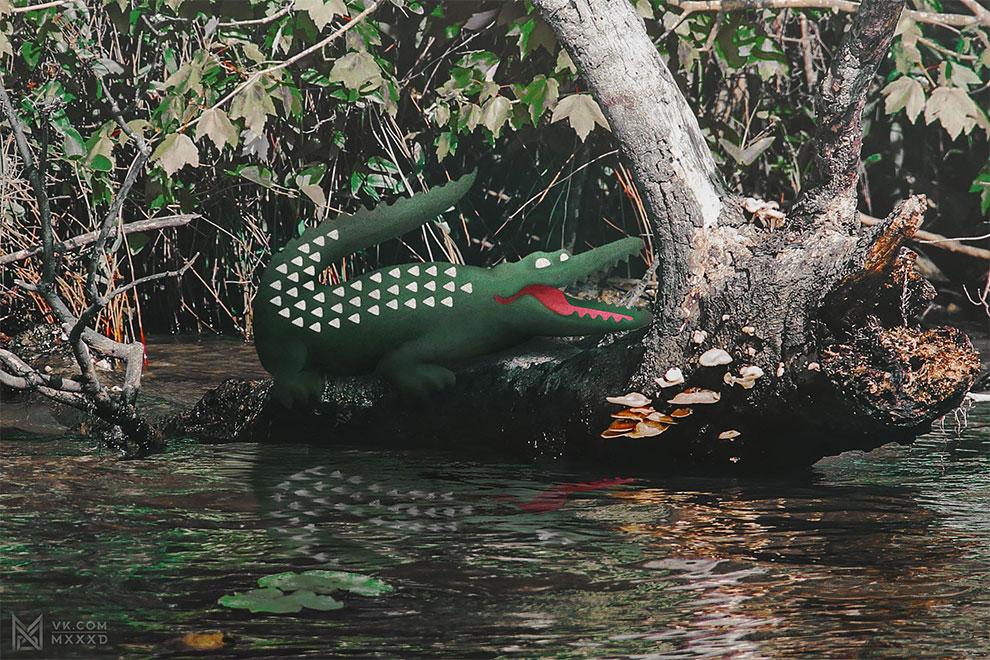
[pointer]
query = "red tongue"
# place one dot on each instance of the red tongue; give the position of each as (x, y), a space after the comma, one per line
(554, 300)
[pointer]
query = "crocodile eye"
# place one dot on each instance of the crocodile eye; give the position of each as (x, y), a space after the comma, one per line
(564, 256)
(542, 262)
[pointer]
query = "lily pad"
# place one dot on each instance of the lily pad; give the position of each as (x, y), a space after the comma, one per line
(271, 601)
(312, 601)
(324, 582)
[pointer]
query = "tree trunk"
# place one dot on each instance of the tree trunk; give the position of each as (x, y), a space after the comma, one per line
(820, 308)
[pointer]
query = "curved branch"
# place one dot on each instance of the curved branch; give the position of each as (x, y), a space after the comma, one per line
(928, 17)
(830, 196)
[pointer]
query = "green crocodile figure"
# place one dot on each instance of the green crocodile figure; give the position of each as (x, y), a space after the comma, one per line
(411, 322)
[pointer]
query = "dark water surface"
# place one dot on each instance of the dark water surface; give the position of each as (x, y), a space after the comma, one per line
(880, 554)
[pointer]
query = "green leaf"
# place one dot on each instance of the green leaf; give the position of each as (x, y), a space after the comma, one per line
(311, 601)
(358, 71)
(320, 12)
(494, 114)
(260, 175)
(215, 125)
(955, 110)
(271, 601)
(582, 113)
(253, 104)
(904, 93)
(137, 241)
(446, 145)
(101, 163)
(539, 95)
(325, 582)
(175, 152)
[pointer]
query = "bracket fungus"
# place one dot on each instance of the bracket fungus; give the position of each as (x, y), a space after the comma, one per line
(729, 435)
(714, 357)
(673, 377)
(695, 395)
(747, 377)
(631, 400)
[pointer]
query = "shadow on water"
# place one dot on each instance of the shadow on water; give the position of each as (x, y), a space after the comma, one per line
(886, 553)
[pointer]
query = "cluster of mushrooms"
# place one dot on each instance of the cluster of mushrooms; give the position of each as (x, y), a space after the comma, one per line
(639, 419)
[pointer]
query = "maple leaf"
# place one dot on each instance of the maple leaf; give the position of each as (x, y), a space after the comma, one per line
(582, 112)
(175, 152)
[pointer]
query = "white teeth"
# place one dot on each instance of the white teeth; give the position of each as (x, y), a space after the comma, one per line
(337, 309)
(334, 235)
(432, 271)
(467, 288)
(300, 305)
(376, 277)
(318, 312)
(319, 241)
(315, 327)
(564, 256)
(411, 303)
(315, 256)
(283, 312)
(309, 270)
(450, 272)
(293, 292)
(309, 286)
(411, 286)
(373, 310)
(277, 300)
(304, 248)
(356, 301)
(395, 272)
(335, 323)
(339, 291)
(414, 271)
(394, 289)
(542, 262)
(448, 301)
(375, 294)
(428, 302)
(394, 304)
(319, 297)
(297, 261)
(450, 286)
(277, 285)
(293, 277)
(281, 268)
(354, 318)
(357, 285)
(298, 322)
(432, 286)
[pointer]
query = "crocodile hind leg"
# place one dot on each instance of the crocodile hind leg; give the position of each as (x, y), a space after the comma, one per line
(294, 384)
(413, 368)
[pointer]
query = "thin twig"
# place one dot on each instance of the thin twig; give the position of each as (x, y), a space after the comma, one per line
(936, 240)
(150, 224)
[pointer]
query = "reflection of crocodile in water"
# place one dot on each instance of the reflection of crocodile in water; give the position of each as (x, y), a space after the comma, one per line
(316, 498)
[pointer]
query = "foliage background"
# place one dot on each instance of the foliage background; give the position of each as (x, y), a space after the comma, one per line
(418, 93)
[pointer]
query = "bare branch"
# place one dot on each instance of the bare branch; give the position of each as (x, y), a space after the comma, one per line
(830, 194)
(39, 7)
(928, 17)
(982, 14)
(150, 224)
(937, 240)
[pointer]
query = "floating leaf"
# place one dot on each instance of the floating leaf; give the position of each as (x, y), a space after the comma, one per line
(271, 601)
(175, 152)
(582, 112)
(215, 125)
(904, 93)
(326, 582)
(204, 641)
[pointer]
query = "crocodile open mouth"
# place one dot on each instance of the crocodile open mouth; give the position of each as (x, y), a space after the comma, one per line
(558, 303)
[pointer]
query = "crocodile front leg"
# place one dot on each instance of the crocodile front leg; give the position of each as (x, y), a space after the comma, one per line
(294, 383)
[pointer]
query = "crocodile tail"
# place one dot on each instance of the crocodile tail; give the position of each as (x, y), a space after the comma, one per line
(303, 258)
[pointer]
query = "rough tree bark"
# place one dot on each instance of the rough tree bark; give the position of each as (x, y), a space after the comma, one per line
(823, 309)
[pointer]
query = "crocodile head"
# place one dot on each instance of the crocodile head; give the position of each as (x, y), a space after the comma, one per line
(529, 292)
